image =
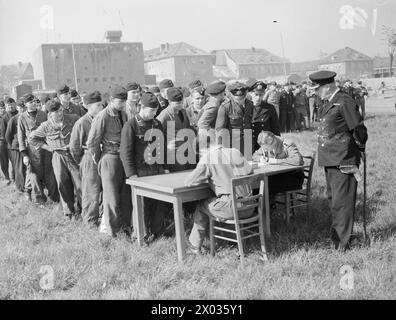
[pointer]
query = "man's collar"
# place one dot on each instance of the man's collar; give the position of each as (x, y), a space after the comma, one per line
(334, 93)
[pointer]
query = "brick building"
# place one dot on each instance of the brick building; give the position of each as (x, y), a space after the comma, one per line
(90, 66)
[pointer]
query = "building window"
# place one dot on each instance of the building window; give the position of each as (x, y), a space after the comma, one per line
(202, 61)
(96, 79)
(112, 78)
(193, 61)
(121, 78)
(104, 79)
(86, 79)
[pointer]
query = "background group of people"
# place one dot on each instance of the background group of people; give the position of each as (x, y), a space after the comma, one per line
(81, 149)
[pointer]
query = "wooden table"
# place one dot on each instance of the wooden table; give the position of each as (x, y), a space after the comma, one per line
(170, 188)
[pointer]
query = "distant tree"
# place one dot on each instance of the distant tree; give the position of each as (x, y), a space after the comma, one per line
(390, 38)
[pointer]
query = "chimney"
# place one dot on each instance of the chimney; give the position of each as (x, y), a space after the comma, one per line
(113, 36)
(164, 47)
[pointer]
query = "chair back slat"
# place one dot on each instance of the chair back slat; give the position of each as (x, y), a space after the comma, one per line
(309, 169)
(248, 202)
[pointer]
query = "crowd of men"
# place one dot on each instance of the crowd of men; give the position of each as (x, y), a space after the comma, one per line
(82, 148)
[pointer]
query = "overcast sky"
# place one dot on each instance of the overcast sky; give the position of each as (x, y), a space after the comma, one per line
(307, 26)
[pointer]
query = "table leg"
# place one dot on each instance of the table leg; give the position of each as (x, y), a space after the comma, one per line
(138, 216)
(179, 226)
(267, 208)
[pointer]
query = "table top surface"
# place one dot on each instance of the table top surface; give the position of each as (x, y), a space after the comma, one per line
(174, 182)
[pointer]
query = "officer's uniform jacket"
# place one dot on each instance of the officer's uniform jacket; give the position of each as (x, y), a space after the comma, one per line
(340, 125)
(264, 118)
(141, 147)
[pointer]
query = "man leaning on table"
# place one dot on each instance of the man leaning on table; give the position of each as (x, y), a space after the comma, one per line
(217, 166)
(139, 148)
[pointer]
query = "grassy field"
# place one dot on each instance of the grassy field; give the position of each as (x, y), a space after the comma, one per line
(88, 265)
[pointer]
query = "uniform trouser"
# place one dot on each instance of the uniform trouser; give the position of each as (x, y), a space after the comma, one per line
(68, 179)
(217, 207)
(154, 210)
(285, 182)
(117, 202)
(19, 169)
(49, 176)
(301, 115)
(4, 159)
(35, 174)
(91, 189)
(311, 114)
(287, 120)
(341, 192)
(363, 108)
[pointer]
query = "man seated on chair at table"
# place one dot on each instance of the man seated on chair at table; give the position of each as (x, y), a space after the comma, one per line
(217, 166)
(274, 150)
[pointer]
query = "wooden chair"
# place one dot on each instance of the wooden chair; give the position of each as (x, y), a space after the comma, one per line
(301, 197)
(241, 229)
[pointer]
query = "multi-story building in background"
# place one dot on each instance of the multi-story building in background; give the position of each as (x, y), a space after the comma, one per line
(90, 66)
(250, 63)
(348, 63)
(180, 62)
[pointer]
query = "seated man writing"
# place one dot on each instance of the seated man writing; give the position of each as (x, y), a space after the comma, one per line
(274, 150)
(217, 166)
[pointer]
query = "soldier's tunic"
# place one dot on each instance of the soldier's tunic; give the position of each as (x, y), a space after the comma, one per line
(38, 173)
(67, 175)
(264, 118)
(163, 104)
(361, 93)
(181, 121)
(73, 109)
(4, 156)
(286, 112)
(15, 156)
(138, 151)
(132, 108)
(237, 120)
(340, 125)
(103, 143)
(301, 109)
(193, 116)
(91, 185)
(284, 181)
(207, 120)
(272, 97)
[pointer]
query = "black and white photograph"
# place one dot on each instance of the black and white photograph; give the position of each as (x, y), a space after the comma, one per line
(196, 155)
